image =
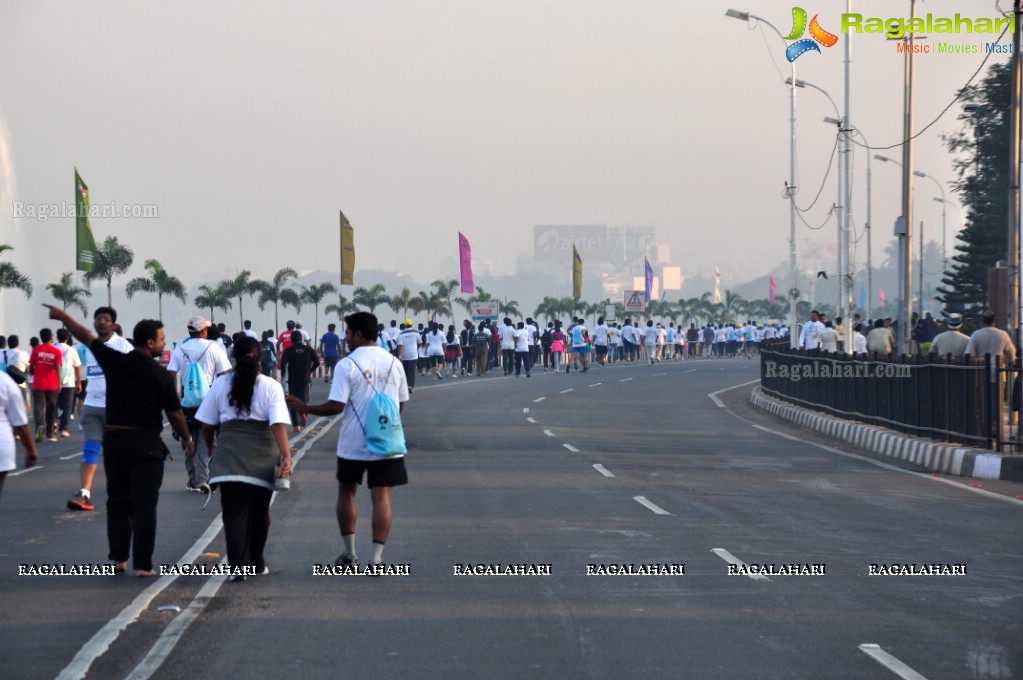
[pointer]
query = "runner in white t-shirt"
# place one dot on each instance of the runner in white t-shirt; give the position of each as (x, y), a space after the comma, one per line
(580, 351)
(600, 342)
(358, 377)
(650, 335)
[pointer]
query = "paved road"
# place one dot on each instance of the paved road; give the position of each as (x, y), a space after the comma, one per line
(628, 465)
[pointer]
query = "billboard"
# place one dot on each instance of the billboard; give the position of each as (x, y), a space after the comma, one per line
(553, 243)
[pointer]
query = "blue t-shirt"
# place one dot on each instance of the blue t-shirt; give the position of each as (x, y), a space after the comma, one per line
(330, 343)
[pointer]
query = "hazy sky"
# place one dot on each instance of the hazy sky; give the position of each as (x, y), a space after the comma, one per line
(250, 124)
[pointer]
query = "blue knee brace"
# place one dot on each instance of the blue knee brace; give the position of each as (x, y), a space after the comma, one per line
(90, 452)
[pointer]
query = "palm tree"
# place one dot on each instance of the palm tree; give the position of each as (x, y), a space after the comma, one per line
(371, 297)
(732, 306)
(510, 308)
(314, 295)
(10, 277)
(159, 282)
(343, 307)
(276, 291)
(241, 285)
(400, 302)
(112, 258)
(548, 308)
(67, 293)
(430, 303)
(214, 298)
(444, 289)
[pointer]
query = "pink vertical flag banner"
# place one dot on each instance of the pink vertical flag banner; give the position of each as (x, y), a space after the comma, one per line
(772, 290)
(880, 293)
(465, 263)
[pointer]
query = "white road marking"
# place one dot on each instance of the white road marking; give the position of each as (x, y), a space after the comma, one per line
(890, 662)
(73, 455)
(531, 419)
(567, 391)
(625, 380)
(866, 459)
(548, 433)
(602, 470)
(537, 401)
(720, 404)
(656, 375)
(657, 510)
(21, 472)
(732, 559)
(691, 370)
(595, 384)
(525, 410)
(571, 448)
(101, 641)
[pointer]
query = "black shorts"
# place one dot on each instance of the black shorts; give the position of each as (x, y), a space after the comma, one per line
(330, 362)
(383, 472)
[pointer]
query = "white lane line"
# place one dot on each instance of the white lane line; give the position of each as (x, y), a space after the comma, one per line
(625, 380)
(73, 455)
(537, 401)
(865, 459)
(570, 389)
(595, 385)
(691, 370)
(720, 404)
(890, 662)
(571, 448)
(105, 636)
(657, 375)
(531, 419)
(548, 433)
(732, 559)
(657, 510)
(21, 472)
(602, 470)
(525, 410)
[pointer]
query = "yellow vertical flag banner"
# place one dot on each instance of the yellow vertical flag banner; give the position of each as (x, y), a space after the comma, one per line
(717, 285)
(347, 251)
(85, 243)
(577, 273)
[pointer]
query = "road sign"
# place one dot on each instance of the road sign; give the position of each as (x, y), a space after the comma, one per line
(482, 311)
(634, 301)
(610, 312)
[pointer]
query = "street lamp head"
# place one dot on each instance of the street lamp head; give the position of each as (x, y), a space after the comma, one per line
(832, 121)
(797, 82)
(919, 174)
(883, 159)
(736, 14)
(939, 200)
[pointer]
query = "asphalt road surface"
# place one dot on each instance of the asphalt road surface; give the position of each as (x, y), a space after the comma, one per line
(619, 468)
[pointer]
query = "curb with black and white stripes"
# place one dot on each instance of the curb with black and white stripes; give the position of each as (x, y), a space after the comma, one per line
(944, 458)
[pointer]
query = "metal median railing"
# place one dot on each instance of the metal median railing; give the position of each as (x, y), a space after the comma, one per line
(953, 399)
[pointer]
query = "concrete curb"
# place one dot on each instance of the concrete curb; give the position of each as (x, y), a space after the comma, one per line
(944, 458)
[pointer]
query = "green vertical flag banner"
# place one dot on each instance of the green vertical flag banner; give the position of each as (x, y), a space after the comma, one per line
(85, 244)
(347, 251)
(577, 273)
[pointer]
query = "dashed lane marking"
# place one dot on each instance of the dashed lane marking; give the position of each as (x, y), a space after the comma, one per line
(531, 419)
(548, 433)
(570, 389)
(21, 472)
(625, 380)
(656, 509)
(890, 662)
(537, 401)
(732, 559)
(602, 470)
(595, 385)
(571, 448)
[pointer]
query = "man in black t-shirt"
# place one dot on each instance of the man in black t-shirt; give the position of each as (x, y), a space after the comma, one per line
(297, 364)
(139, 392)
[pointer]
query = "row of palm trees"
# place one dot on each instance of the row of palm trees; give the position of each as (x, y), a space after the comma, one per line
(115, 258)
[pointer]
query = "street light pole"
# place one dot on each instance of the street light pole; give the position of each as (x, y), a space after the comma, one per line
(944, 251)
(839, 212)
(790, 189)
(906, 281)
(847, 274)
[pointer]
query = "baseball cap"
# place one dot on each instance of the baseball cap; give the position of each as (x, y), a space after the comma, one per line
(408, 322)
(955, 320)
(197, 323)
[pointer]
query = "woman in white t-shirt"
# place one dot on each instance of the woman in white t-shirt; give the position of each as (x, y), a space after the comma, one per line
(13, 420)
(252, 442)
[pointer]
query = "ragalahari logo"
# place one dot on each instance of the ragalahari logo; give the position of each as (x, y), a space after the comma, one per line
(818, 35)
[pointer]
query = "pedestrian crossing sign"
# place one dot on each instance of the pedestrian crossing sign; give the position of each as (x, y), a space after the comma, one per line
(634, 301)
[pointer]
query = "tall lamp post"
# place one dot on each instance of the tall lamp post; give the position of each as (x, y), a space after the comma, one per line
(866, 228)
(790, 189)
(839, 207)
(944, 249)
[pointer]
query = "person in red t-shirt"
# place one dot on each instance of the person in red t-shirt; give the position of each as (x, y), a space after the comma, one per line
(45, 364)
